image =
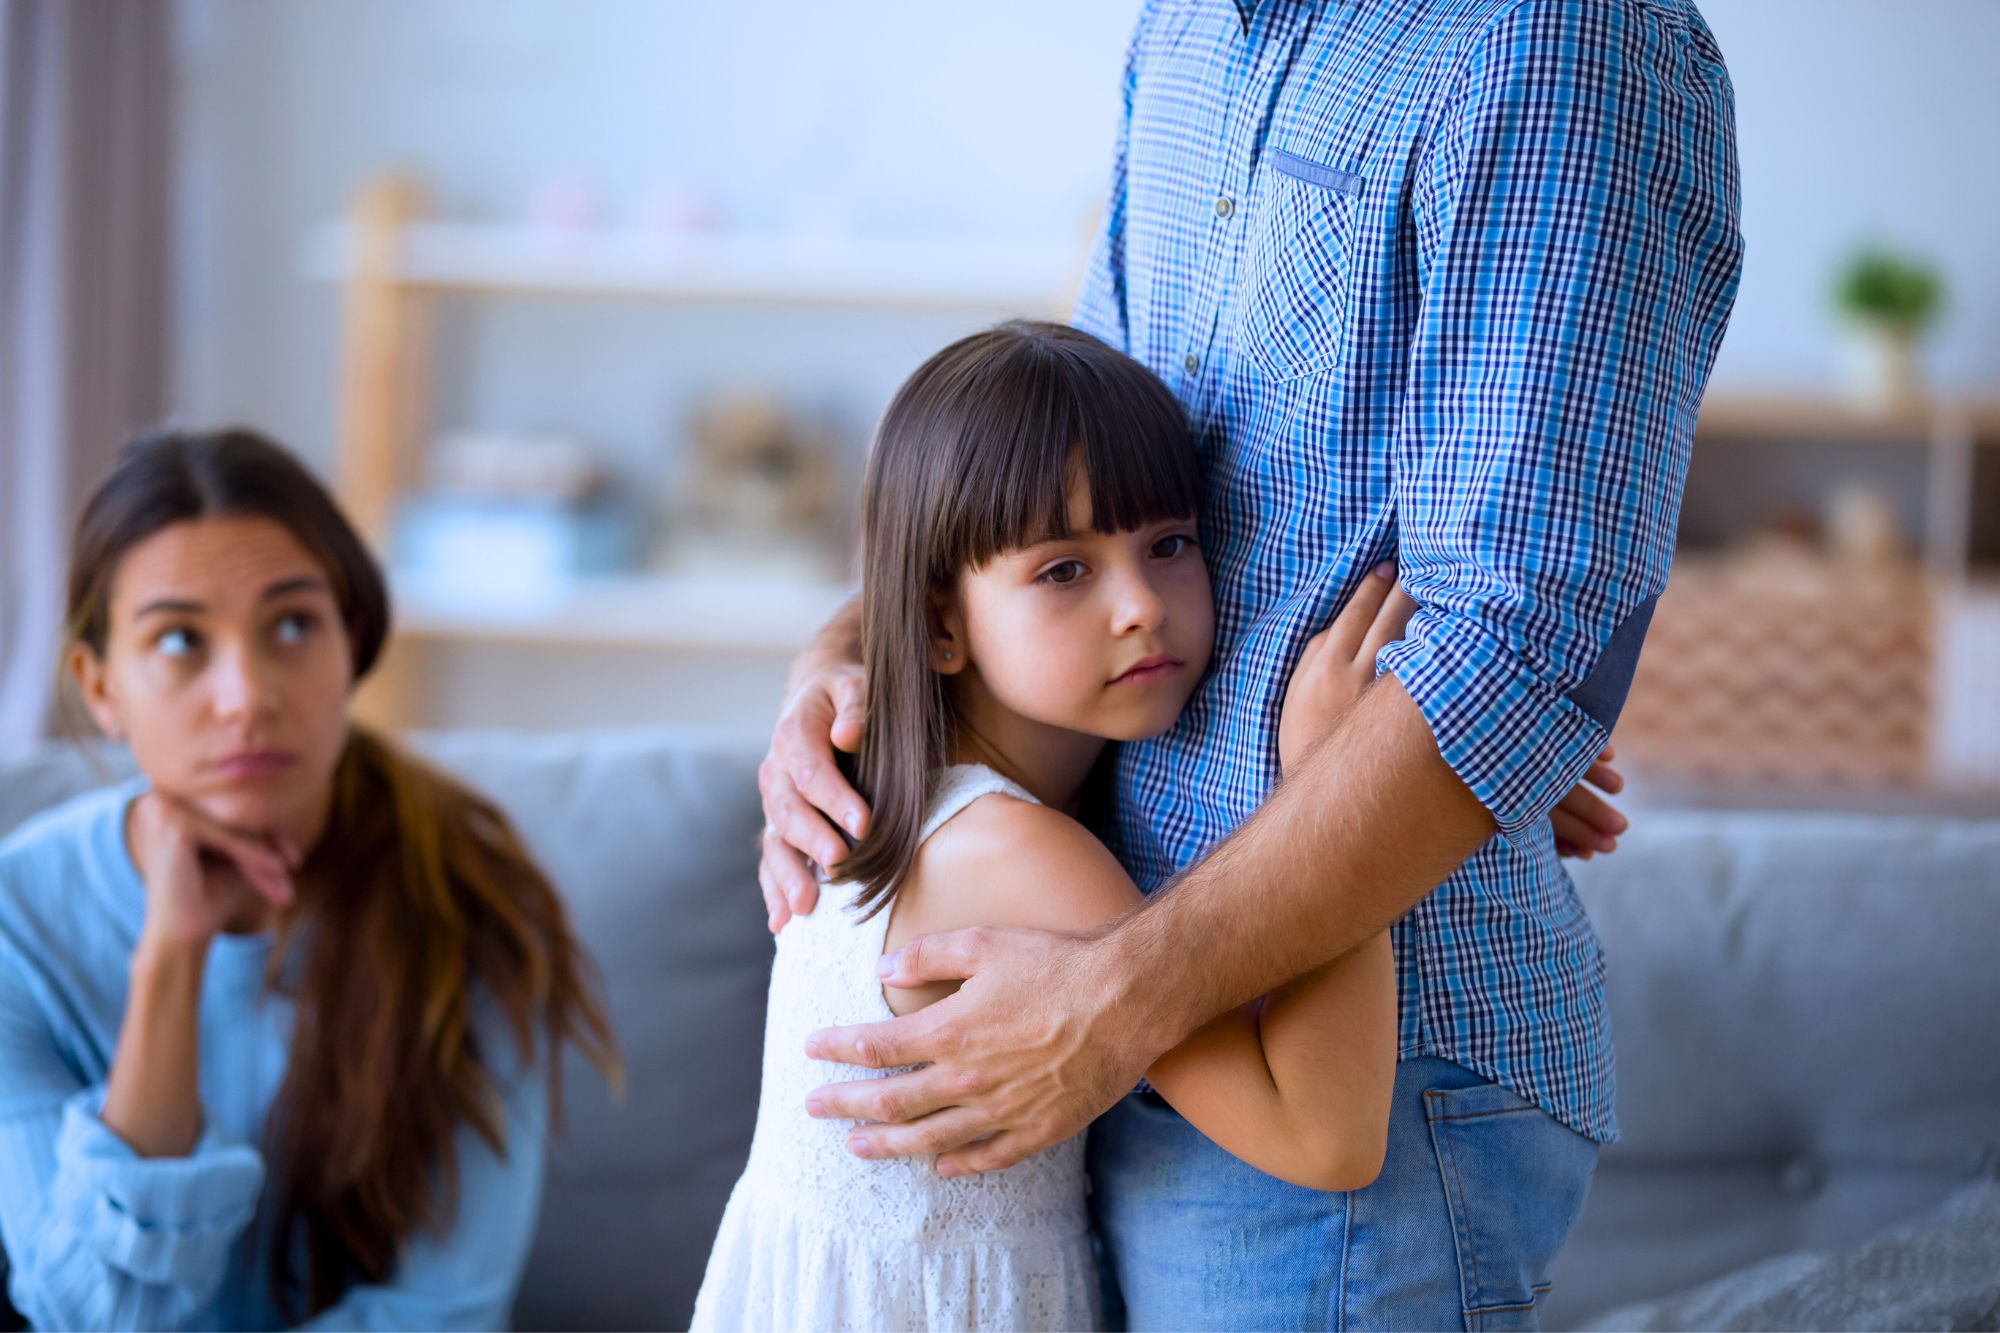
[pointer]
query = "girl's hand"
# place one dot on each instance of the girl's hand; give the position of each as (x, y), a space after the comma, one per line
(1339, 661)
(200, 874)
(1586, 823)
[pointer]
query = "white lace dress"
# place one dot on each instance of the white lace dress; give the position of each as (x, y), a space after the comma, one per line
(817, 1238)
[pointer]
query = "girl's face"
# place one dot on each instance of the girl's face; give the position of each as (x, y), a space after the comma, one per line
(1105, 634)
(226, 666)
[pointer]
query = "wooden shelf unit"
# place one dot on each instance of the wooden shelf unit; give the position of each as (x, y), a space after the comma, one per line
(636, 611)
(1953, 433)
(394, 265)
(485, 260)
(1811, 677)
(1797, 415)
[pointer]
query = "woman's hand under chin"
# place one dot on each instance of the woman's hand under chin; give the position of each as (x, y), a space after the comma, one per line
(201, 876)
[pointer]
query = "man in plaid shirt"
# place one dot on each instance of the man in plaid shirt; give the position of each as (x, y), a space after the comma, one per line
(1438, 281)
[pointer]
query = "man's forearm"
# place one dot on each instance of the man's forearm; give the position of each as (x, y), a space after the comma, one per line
(1371, 821)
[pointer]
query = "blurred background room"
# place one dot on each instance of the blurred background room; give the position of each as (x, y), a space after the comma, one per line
(587, 309)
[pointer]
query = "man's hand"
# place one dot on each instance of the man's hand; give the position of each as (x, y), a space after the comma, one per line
(1585, 822)
(1039, 1041)
(801, 784)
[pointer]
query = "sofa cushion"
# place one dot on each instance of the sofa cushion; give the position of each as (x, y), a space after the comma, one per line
(1940, 1271)
(1803, 1010)
(652, 837)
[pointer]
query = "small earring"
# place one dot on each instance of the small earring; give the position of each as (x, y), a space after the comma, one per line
(947, 654)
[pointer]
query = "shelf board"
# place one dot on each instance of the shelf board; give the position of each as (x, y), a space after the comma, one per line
(497, 260)
(687, 612)
(1808, 416)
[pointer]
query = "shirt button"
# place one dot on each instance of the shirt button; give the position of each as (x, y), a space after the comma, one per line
(1224, 207)
(1192, 362)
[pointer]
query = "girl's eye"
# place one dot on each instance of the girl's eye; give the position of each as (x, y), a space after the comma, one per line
(177, 643)
(1172, 545)
(1067, 572)
(294, 628)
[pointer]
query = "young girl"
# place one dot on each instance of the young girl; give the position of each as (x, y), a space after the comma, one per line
(279, 1021)
(1032, 588)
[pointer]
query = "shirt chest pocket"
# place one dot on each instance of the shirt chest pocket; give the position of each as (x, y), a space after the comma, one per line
(1291, 307)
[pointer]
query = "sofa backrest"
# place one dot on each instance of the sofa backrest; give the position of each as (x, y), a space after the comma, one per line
(1806, 1011)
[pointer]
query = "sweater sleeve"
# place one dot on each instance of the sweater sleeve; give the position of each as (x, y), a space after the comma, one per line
(98, 1236)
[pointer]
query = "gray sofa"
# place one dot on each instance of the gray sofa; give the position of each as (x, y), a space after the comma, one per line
(1807, 1012)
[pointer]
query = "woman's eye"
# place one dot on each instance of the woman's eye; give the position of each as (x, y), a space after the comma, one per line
(177, 643)
(294, 628)
(1069, 571)
(1172, 545)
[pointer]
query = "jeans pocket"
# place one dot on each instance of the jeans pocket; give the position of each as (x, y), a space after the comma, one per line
(1292, 304)
(1515, 1179)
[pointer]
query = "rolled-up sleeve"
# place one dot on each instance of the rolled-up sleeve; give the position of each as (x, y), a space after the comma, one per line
(100, 1237)
(165, 1220)
(1576, 213)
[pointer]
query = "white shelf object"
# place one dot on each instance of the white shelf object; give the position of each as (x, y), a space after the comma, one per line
(704, 614)
(1966, 741)
(1025, 278)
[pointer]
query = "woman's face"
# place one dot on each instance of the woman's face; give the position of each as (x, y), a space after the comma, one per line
(226, 667)
(1105, 634)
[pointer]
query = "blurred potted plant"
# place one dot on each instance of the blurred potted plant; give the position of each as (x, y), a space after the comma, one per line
(1886, 300)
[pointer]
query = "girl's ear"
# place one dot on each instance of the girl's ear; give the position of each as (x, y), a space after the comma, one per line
(86, 669)
(947, 635)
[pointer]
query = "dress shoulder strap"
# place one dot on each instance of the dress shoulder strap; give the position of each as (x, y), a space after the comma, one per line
(960, 785)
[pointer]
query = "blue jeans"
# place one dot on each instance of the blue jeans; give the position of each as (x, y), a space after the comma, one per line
(1479, 1191)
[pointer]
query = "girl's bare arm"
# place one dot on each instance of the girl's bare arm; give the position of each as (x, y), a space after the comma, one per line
(1297, 1085)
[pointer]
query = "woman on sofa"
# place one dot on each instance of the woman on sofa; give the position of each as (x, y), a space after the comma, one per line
(279, 1020)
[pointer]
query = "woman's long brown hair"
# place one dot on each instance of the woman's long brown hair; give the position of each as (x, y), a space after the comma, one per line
(975, 457)
(421, 913)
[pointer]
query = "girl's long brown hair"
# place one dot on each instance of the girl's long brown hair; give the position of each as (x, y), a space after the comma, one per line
(420, 911)
(975, 457)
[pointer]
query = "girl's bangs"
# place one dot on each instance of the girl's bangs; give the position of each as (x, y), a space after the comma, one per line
(1073, 408)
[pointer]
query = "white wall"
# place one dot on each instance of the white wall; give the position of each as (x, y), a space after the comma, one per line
(1857, 118)
(906, 118)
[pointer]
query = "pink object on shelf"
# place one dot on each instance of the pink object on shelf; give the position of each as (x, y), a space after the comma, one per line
(563, 204)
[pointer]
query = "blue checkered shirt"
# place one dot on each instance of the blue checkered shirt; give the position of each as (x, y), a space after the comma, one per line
(1440, 280)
